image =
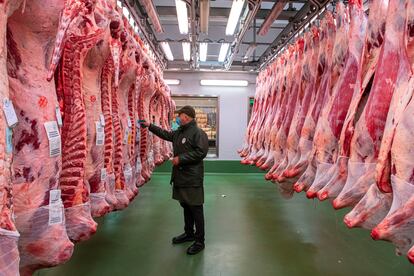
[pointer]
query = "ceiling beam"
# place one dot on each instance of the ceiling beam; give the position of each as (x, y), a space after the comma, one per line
(271, 17)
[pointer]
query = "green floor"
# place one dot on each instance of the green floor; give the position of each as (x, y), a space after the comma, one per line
(250, 231)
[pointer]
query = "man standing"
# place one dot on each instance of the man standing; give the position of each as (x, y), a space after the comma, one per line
(190, 147)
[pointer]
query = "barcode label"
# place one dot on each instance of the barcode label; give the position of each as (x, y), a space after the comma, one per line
(54, 196)
(138, 165)
(59, 116)
(9, 142)
(53, 135)
(129, 122)
(128, 172)
(100, 134)
(103, 174)
(102, 119)
(9, 113)
(55, 214)
(126, 134)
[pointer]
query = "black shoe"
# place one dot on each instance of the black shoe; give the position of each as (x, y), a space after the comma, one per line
(196, 248)
(183, 238)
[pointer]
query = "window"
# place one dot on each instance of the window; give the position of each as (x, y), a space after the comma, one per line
(206, 117)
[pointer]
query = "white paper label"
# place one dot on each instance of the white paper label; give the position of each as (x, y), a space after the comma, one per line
(129, 122)
(128, 172)
(59, 116)
(54, 196)
(126, 134)
(53, 135)
(103, 174)
(100, 134)
(102, 119)
(55, 214)
(10, 113)
(138, 165)
(9, 142)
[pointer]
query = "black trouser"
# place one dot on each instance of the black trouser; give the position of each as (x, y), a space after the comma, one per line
(194, 215)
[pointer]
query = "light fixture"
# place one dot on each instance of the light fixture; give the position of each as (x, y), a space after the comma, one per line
(204, 15)
(186, 51)
(224, 82)
(223, 52)
(182, 16)
(249, 51)
(203, 51)
(234, 16)
(172, 81)
(167, 51)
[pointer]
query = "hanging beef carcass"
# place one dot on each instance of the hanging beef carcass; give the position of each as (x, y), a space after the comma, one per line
(284, 88)
(375, 205)
(146, 93)
(397, 225)
(364, 125)
(339, 52)
(376, 101)
(308, 86)
(265, 160)
(92, 81)
(125, 95)
(327, 37)
(78, 33)
(9, 261)
(37, 159)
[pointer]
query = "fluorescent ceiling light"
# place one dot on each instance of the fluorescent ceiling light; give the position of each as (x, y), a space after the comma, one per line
(224, 82)
(223, 52)
(203, 51)
(187, 51)
(182, 16)
(167, 50)
(172, 82)
(234, 16)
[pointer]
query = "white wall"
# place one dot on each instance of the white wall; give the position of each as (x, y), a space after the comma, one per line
(233, 105)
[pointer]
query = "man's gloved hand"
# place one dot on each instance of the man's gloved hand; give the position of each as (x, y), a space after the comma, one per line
(175, 161)
(144, 123)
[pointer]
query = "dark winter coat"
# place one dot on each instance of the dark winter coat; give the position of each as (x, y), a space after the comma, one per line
(190, 144)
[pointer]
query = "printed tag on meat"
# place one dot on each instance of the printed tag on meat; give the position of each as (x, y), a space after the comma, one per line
(53, 135)
(128, 172)
(100, 134)
(129, 122)
(102, 119)
(138, 166)
(55, 214)
(9, 112)
(103, 174)
(126, 134)
(9, 143)
(59, 116)
(54, 197)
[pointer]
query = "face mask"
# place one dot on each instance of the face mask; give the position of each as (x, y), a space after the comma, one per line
(178, 121)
